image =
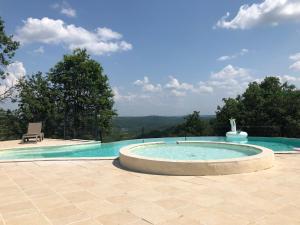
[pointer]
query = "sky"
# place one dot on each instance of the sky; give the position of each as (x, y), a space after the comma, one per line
(166, 57)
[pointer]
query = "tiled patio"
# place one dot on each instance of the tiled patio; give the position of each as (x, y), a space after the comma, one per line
(99, 192)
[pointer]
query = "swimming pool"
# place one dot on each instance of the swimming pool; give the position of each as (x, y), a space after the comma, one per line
(189, 158)
(191, 151)
(112, 149)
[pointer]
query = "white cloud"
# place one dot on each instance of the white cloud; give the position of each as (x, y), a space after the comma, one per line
(229, 57)
(39, 50)
(296, 59)
(68, 12)
(177, 93)
(225, 57)
(50, 31)
(203, 88)
(232, 80)
(269, 12)
(178, 97)
(175, 84)
(65, 8)
(107, 34)
(147, 86)
(15, 71)
(290, 79)
(231, 72)
(229, 81)
(180, 89)
(119, 97)
(129, 97)
(295, 66)
(173, 87)
(177, 88)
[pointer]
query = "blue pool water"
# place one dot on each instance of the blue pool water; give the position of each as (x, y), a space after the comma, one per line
(192, 151)
(112, 149)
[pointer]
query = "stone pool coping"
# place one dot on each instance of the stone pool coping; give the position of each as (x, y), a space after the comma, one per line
(58, 159)
(260, 161)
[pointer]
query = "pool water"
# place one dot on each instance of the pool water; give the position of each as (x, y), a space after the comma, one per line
(112, 149)
(192, 151)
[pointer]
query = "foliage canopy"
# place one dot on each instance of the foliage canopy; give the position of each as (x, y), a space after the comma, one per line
(73, 100)
(269, 108)
(7, 50)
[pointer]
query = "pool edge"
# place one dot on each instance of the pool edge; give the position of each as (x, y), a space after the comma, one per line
(59, 159)
(263, 160)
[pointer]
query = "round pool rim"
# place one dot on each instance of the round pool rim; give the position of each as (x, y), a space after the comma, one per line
(264, 159)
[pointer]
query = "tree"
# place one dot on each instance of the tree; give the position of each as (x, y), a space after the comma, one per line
(269, 108)
(231, 109)
(7, 50)
(37, 102)
(193, 124)
(73, 100)
(83, 94)
(10, 127)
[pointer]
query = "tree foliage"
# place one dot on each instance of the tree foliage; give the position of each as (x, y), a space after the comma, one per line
(7, 50)
(193, 125)
(10, 126)
(73, 100)
(37, 102)
(269, 108)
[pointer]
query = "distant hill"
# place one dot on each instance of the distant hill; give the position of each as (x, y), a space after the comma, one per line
(126, 127)
(135, 124)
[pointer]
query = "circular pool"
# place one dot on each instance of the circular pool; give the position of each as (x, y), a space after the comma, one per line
(195, 158)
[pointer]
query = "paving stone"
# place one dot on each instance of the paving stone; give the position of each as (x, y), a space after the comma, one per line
(28, 219)
(118, 218)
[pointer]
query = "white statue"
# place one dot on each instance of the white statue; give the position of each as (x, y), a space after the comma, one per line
(233, 125)
(233, 135)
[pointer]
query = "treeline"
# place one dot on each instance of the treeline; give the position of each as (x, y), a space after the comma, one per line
(193, 125)
(269, 108)
(10, 126)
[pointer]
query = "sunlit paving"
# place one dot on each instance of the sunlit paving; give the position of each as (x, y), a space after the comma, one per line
(150, 112)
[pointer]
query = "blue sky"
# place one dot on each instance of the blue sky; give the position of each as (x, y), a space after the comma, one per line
(162, 57)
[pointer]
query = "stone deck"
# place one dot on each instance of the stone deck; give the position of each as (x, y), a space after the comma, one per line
(99, 192)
